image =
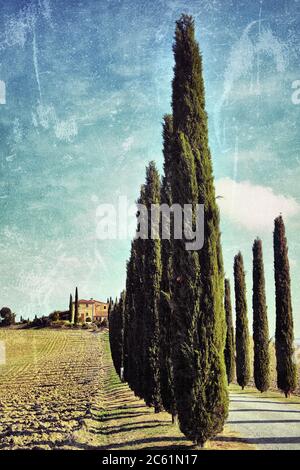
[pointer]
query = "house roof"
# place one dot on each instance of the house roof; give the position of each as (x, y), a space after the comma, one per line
(91, 301)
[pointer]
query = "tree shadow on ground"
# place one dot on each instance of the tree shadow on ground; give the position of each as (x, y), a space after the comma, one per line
(264, 421)
(259, 410)
(264, 400)
(260, 440)
(122, 415)
(109, 431)
(148, 440)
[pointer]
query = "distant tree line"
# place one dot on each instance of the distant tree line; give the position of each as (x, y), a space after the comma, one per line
(57, 318)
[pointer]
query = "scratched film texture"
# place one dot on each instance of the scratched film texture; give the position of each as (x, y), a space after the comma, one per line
(84, 86)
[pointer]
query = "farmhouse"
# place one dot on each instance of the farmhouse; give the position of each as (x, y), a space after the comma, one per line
(93, 310)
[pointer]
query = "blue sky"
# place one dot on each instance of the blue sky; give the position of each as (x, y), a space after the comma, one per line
(87, 84)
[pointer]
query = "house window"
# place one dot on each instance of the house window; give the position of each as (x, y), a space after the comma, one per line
(87, 305)
(104, 307)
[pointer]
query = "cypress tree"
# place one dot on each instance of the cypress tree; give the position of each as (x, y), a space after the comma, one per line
(109, 310)
(139, 303)
(129, 325)
(284, 336)
(134, 311)
(119, 333)
(199, 367)
(165, 312)
(229, 345)
(260, 321)
(110, 306)
(241, 331)
(71, 309)
(116, 333)
(152, 278)
(113, 334)
(76, 307)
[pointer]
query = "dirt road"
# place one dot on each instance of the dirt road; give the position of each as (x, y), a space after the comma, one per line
(268, 423)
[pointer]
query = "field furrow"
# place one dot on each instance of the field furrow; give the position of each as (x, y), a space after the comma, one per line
(47, 387)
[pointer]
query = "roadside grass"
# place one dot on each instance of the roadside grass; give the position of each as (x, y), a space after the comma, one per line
(128, 424)
(234, 388)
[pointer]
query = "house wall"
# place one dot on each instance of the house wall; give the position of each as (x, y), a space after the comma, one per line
(96, 311)
(101, 311)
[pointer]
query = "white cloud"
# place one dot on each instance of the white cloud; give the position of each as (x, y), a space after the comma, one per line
(251, 206)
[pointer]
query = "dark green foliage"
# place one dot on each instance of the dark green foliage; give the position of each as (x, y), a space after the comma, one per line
(8, 318)
(151, 278)
(112, 338)
(229, 344)
(76, 307)
(141, 330)
(241, 331)
(286, 368)
(165, 311)
(71, 309)
(134, 311)
(260, 321)
(116, 333)
(129, 324)
(139, 302)
(54, 316)
(110, 306)
(199, 319)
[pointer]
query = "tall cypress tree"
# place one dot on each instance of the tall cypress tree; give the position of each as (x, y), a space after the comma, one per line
(139, 302)
(119, 322)
(134, 310)
(241, 331)
(71, 309)
(260, 321)
(152, 278)
(109, 308)
(130, 320)
(199, 367)
(116, 326)
(229, 345)
(112, 335)
(76, 307)
(165, 311)
(284, 336)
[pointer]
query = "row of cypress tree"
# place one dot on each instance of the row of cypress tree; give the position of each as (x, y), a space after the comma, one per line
(168, 329)
(284, 336)
(172, 320)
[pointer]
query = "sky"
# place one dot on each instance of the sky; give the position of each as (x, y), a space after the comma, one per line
(84, 87)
